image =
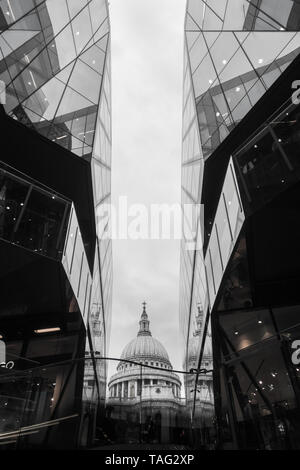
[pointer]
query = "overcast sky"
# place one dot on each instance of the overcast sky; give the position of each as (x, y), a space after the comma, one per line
(147, 55)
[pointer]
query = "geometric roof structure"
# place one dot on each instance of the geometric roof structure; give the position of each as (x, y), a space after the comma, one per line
(52, 58)
(237, 49)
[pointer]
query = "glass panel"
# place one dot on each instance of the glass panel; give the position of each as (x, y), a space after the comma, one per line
(263, 167)
(287, 317)
(204, 418)
(225, 236)
(64, 47)
(13, 195)
(203, 75)
(82, 29)
(235, 14)
(70, 243)
(13, 9)
(58, 13)
(198, 51)
(31, 217)
(98, 12)
(94, 57)
(75, 6)
(264, 400)
(41, 223)
(236, 290)
(85, 81)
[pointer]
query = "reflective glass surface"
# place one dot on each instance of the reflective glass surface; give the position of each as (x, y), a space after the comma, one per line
(54, 60)
(63, 405)
(236, 50)
(267, 164)
(76, 265)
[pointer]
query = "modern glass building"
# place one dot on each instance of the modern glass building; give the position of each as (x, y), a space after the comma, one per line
(56, 265)
(240, 161)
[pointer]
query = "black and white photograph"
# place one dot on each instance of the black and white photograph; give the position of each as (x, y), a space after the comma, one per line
(149, 228)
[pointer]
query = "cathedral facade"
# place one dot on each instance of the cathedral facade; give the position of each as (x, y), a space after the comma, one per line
(145, 394)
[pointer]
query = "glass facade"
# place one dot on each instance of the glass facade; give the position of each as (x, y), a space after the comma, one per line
(236, 53)
(258, 376)
(53, 56)
(55, 63)
(230, 73)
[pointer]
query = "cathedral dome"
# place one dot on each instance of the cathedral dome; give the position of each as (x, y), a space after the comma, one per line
(144, 346)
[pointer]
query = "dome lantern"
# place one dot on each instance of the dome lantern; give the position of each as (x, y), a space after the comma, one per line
(144, 347)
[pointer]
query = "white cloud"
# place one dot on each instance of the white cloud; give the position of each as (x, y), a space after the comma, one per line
(147, 50)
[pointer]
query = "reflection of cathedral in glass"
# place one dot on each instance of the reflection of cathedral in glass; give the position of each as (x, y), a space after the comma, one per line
(154, 392)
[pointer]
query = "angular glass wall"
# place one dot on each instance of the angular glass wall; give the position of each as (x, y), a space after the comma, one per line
(55, 63)
(191, 184)
(259, 384)
(52, 56)
(208, 273)
(42, 408)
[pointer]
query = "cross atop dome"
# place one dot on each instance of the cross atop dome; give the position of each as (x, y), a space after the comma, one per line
(144, 323)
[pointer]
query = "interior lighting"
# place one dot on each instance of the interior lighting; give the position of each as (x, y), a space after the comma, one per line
(47, 330)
